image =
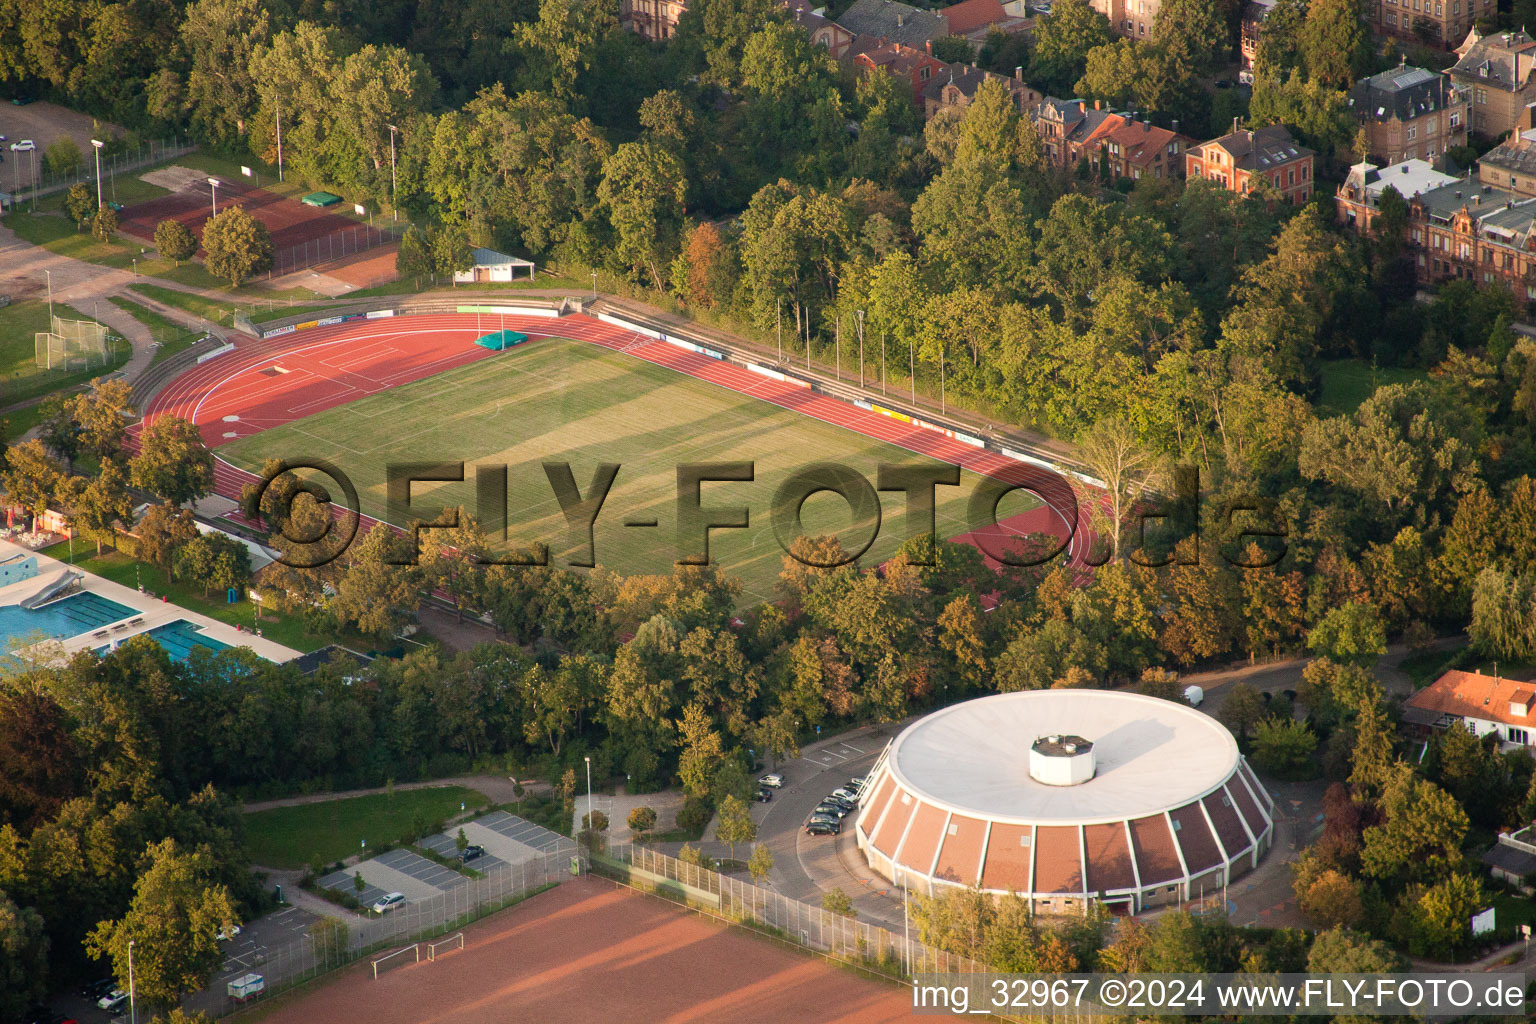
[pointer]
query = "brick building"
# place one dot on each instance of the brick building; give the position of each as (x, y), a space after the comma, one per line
(1409, 112)
(1254, 13)
(1499, 72)
(1235, 161)
(1136, 149)
(1439, 23)
(1131, 18)
(823, 31)
(957, 86)
(655, 20)
(1359, 198)
(918, 67)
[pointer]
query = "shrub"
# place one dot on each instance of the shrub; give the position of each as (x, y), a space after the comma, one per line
(595, 820)
(642, 819)
(694, 815)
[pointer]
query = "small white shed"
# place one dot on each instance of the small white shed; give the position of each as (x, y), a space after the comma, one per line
(491, 265)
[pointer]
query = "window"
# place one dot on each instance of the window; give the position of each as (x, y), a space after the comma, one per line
(1518, 736)
(1455, 119)
(1290, 175)
(1413, 132)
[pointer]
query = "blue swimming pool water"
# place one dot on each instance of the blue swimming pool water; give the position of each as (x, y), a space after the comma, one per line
(178, 638)
(65, 618)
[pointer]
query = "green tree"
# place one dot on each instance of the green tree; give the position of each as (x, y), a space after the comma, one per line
(101, 414)
(702, 750)
(413, 256)
(953, 50)
(31, 477)
(1434, 919)
(174, 240)
(220, 37)
(236, 245)
(1283, 746)
(63, 157)
(835, 901)
(215, 561)
(559, 47)
(1192, 35)
(451, 252)
(105, 224)
(1335, 43)
(161, 530)
(736, 824)
(1420, 836)
(172, 461)
(375, 594)
(1063, 40)
(760, 864)
(358, 882)
(1113, 453)
(99, 504)
(1341, 951)
(177, 910)
(1350, 634)
(642, 191)
(79, 203)
(642, 819)
(23, 958)
(1241, 709)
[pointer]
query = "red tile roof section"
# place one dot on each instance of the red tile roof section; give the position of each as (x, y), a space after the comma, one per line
(1058, 859)
(1109, 857)
(923, 838)
(1007, 865)
(1195, 839)
(961, 853)
(1474, 695)
(1156, 858)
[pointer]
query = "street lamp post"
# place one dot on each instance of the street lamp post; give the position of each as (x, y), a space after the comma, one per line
(861, 348)
(837, 347)
(588, 759)
(213, 185)
(49, 274)
(278, 112)
(779, 326)
(15, 174)
(97, 144)
(393, 209)
(594, 285)
(133, 1011)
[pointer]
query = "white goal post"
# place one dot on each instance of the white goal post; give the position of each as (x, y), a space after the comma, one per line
(407, 954)
(448, 945)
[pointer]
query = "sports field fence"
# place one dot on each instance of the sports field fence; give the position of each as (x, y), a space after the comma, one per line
(28, 179)
(334, 246)
(357, 936)
(869, 947)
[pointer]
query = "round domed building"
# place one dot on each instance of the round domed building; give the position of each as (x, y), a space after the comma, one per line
(1065, 796)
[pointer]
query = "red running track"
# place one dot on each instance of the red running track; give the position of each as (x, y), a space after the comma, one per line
(266, 383)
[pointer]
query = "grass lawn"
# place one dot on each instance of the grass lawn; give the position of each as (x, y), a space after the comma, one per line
(1348, 382)
(221, 310)
(20, 376)
(568, 401)
(1425, 668)
(120, 567)
(291, 837)
(172, 337)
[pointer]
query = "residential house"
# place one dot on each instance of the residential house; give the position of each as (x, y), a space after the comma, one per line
(1236, 161)
(1254, 13)
(1409, 113)
(1486, 705)
(1512, 163)
(1513, 858)
(655, 20)
(973, 19)
(1359, 198)
(1131, 18)
(918, 66)
(890, 21)
(822, 30)
(1067, 126)
(957, 86)
(1439, 23)
(1499, 71)
(1136, 149)
(1475, 232)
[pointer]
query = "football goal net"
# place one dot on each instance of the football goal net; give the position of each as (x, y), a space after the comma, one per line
(408, 955)
(73, 345)
(448, 945)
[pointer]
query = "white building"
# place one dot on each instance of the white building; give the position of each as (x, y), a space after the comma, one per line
(1484, 704)
(493, 266)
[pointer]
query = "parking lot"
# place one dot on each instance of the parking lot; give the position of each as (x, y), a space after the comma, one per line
(511, 839)
(45, 123)
(247, 951)
(396, 871)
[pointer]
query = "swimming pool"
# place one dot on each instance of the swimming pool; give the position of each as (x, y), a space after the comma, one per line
(178, 638)
(64, 618)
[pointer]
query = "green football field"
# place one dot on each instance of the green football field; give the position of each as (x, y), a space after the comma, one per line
(568, 401)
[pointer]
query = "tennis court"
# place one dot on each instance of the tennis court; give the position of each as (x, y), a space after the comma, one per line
(590, 950)
(290, 221)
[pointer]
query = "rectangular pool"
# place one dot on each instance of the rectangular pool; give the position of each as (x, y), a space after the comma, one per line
(61, 619)
(178, 638)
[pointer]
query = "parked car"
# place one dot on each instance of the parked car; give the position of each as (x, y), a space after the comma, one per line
(472, 852)
(225, 936)
(24, 146)
(822, 828)
(847, 794)
(113, 1001)
(836, 810)
(848, 804)
(764, 794)
(1194, 695)
(857, 783)
(773, 781)
(98, 988)
(825, 816)
(388, 903)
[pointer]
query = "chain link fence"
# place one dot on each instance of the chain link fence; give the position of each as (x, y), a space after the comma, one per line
(867, 946)
(28, 178)
(334, 246)
(329, 946)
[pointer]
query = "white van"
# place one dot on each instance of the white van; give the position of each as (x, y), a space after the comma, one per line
(1194, 695)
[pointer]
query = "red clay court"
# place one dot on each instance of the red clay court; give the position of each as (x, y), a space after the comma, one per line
(265, 383)
(290, 221)
(591, 950)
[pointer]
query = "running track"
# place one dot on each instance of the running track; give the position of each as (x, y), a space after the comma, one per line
(266, 383)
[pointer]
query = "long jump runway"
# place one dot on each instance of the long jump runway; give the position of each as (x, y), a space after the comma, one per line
(269, 382)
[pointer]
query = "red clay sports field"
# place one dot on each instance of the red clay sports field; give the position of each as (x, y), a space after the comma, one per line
(269, 382)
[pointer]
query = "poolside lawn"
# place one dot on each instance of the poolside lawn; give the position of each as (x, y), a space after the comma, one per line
(120, 567)
(332, 830)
